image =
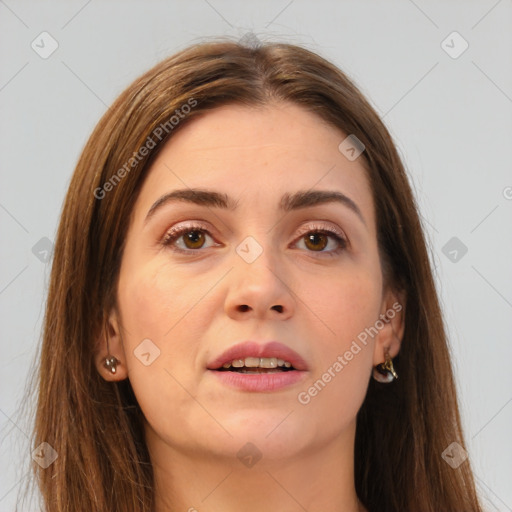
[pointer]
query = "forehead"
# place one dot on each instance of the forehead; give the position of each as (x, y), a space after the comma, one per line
(257, 155)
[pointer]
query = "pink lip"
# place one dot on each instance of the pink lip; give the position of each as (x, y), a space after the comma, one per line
(263, 381)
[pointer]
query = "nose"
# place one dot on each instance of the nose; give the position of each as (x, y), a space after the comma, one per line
(259, 290)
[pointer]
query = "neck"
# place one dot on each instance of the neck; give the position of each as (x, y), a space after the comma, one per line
(315, 480)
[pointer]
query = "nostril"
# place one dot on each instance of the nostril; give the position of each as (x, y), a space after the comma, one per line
(245, 307)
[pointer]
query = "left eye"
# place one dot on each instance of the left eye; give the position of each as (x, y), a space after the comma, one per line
(318, 240)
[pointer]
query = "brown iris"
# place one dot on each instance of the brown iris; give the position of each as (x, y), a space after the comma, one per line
(194, 239)
(316, 238)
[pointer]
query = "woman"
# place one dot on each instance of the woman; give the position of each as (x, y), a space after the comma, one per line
(241, 313)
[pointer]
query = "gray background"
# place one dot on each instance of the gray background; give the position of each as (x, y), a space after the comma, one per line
(450, 117)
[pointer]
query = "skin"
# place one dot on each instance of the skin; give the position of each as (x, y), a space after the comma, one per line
(189, 305)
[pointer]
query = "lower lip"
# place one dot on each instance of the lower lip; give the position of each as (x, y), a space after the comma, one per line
(260, 382)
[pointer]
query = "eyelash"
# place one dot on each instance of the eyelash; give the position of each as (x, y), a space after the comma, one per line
(175, 234)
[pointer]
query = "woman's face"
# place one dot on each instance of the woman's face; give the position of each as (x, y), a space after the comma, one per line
(206, 272)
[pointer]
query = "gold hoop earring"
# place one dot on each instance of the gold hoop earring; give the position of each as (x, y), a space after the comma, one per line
(385, 372)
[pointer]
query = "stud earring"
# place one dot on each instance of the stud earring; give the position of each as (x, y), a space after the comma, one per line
(384, 372)
(111, 363)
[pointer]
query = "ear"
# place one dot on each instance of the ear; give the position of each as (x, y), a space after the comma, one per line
(392, 315)
(111, 333)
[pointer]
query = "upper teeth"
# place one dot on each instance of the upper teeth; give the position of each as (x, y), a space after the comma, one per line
(258, 362)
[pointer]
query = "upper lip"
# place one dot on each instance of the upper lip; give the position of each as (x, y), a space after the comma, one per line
(255, 349)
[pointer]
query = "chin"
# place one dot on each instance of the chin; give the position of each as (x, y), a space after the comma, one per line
(271, 432)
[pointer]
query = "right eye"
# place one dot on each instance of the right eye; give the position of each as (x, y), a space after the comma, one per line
(191, 237)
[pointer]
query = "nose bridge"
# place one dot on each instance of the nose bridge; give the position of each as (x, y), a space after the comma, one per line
(258, 281)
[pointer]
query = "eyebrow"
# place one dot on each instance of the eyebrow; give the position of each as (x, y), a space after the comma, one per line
(289, 202)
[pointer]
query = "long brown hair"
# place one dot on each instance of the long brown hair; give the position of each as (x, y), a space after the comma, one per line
(96, 426)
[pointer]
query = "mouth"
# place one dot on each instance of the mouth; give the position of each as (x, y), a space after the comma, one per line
(251, 366)
(257, 365)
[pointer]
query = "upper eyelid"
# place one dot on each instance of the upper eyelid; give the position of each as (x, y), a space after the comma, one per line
(203, 225)
(313, 226)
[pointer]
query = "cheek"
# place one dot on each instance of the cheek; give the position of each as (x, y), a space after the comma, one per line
(158, 340)
(156, 301)
(345, 304)
(348, 306)
(168, 306)
(144, 306)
